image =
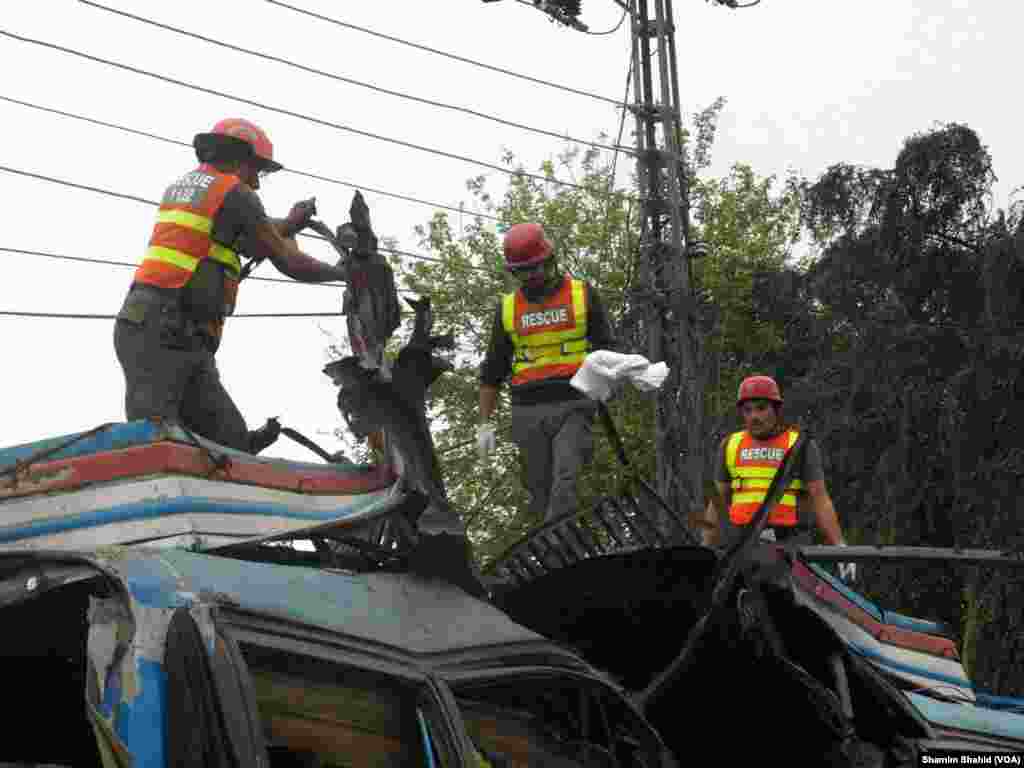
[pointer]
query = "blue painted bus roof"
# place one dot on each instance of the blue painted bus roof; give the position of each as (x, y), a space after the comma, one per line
(394, 609)
(142, 432)
(880, 614)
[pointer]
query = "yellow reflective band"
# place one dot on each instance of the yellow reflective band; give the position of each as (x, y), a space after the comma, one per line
(186, 219)
(731, 449)
(172, 257)
(762, 485)
(755, 497)
(760, 482)
(535, 352)
(558, 360)
(227, 257)
(508, 314)
(755, 472)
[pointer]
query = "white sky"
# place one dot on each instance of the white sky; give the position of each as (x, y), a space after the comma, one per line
(808, 83)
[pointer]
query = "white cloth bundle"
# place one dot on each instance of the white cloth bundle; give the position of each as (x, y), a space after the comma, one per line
(603, 368)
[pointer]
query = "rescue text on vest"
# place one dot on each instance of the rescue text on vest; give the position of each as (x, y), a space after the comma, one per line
(762, 454)
(547, 317)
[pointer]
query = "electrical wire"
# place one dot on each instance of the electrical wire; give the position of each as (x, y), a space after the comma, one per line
(77, 316)
(453, 56)
(612, 31)
(108, 262)
(134, 265)
(306, 174)
(291, 113)
(350, 81)
(622, 122)
(137, 199)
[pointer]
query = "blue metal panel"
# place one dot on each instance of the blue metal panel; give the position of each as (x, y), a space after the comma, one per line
(114, 437)
(1000, 702)
(885, 661)
(398, 610)
(917, 625)
(142, 510)
(846, 592)
(144, 432)
(140, 722)
(968, 718)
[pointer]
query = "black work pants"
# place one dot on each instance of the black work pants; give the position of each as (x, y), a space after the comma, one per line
(170, 371)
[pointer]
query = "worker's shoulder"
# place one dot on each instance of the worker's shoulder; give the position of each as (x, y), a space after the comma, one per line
(243, 197)
(724, 442)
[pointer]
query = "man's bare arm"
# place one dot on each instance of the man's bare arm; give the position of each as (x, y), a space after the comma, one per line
(824, 512)
(289, 260)
(488, 402)
(717, 509)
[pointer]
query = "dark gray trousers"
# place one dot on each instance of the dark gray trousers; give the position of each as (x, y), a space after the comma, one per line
(170, 372)
(555, 440)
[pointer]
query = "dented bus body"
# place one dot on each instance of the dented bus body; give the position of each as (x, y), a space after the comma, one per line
(146, 657)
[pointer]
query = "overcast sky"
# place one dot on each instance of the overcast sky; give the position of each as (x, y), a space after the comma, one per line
(808, 83)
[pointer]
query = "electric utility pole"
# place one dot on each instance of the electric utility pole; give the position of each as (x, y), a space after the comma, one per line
(663, 296)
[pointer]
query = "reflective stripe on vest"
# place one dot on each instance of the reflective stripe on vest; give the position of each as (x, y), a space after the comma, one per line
(181, 237)
(752, 464)
(549, 339)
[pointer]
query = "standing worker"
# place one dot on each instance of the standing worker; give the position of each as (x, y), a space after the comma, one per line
(170, 325)
(749, 460)
(540, 336)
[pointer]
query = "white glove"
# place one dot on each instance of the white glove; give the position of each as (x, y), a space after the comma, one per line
(485, 439)
(847, 571)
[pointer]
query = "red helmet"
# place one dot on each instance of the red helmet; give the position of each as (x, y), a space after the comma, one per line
(758, 388)
(526, 245)
(242, 130)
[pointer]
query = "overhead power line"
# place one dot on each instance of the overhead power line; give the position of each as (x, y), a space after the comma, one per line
(352, 81)
(137, 199)
(290, 113)
(306, 174)
(574, 23)
(78, 316)
(446, 54)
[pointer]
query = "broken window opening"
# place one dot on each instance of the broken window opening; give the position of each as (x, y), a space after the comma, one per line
(43, 655)
(553, 722)
(320, 713)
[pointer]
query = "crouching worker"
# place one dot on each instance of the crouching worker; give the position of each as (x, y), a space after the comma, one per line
(169, 329)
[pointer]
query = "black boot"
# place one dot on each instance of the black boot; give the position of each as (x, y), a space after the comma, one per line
(447, 557)
(265, 436)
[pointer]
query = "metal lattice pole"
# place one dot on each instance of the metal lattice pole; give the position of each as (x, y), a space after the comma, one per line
(664, 284)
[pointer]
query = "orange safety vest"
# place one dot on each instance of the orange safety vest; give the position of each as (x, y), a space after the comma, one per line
(549, 338)
(752, 464)
(181, 237)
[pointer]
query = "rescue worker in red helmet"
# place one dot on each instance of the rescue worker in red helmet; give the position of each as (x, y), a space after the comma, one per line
(540, 335)
(170, 325)
(749, 460)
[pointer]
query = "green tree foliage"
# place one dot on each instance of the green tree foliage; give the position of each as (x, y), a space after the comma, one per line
(752, 229)
(903, 355)
(899, 344)
(749, 226)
